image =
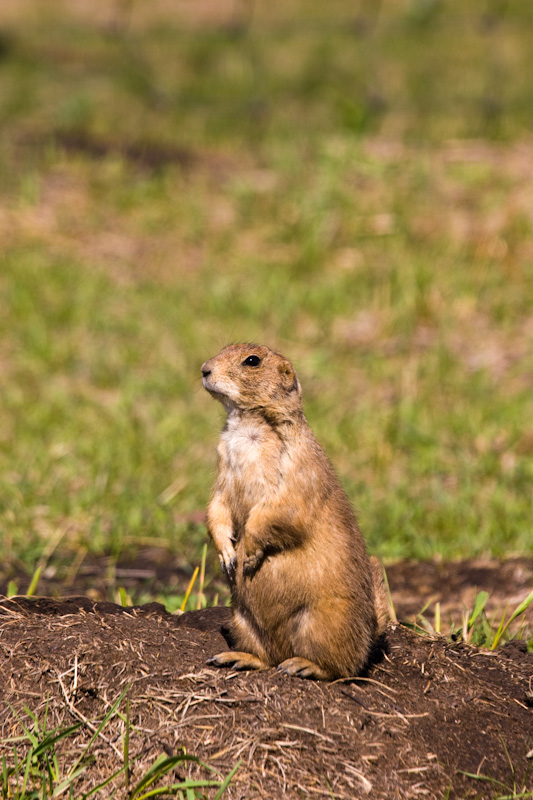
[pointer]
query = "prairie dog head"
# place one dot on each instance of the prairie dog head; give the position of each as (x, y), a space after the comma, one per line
(250, 377)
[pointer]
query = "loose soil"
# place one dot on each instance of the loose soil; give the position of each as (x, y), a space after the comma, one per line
(426, 712)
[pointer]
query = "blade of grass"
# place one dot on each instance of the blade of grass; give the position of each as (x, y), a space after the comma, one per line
(227, 780)
(127, 745)
(189, 588)
(161, 766)
(392, 610)
(100, 728)
(50, 740)
(34, 581)
(29, 735)
(479, 605)
(123, 597)
(330, 790)
(523, 606)
(104, 783)
(200, 602)
(67, 782)
(485, 778)
(175, 787)
(15, 761)
(465, 626)
(29, 757)
(436, 624)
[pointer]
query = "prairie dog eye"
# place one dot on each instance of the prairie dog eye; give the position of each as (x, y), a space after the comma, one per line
(251, 361)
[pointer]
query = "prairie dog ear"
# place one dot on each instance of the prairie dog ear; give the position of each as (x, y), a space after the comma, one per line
(289, 378)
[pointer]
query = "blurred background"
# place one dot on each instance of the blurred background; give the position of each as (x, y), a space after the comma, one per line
(350, 183)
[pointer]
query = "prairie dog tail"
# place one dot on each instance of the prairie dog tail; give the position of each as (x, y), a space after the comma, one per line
(381, 600)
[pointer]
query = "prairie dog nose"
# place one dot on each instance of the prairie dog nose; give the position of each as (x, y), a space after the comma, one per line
(205, 370)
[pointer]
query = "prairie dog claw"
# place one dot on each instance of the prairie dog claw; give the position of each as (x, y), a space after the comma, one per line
(228, 560)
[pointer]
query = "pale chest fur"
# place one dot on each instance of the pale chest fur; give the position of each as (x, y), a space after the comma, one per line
(251, 458)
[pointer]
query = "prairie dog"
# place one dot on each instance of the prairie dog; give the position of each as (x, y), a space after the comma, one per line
(305, 595)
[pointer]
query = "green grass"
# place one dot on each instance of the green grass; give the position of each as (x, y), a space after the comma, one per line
(517, 790)
(47, 760)
(477, 627)
(355, 196)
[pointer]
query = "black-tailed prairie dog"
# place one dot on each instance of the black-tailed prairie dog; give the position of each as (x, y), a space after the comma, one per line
(305, 595)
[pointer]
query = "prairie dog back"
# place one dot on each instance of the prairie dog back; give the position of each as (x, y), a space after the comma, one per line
(304, 593)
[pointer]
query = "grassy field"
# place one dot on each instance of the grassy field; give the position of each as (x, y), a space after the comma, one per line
(351, 186)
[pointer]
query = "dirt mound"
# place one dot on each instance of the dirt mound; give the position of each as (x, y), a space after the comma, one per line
(426, 712)
(414, 584)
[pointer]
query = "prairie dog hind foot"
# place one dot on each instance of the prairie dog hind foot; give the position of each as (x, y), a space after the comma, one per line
(237, 660)
(296, 666)
(303, 668)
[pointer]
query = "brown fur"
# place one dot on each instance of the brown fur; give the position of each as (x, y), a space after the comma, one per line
(305, 595)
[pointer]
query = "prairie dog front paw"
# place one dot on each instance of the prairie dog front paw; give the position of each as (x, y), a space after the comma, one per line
(252, 562)
(228, 559)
